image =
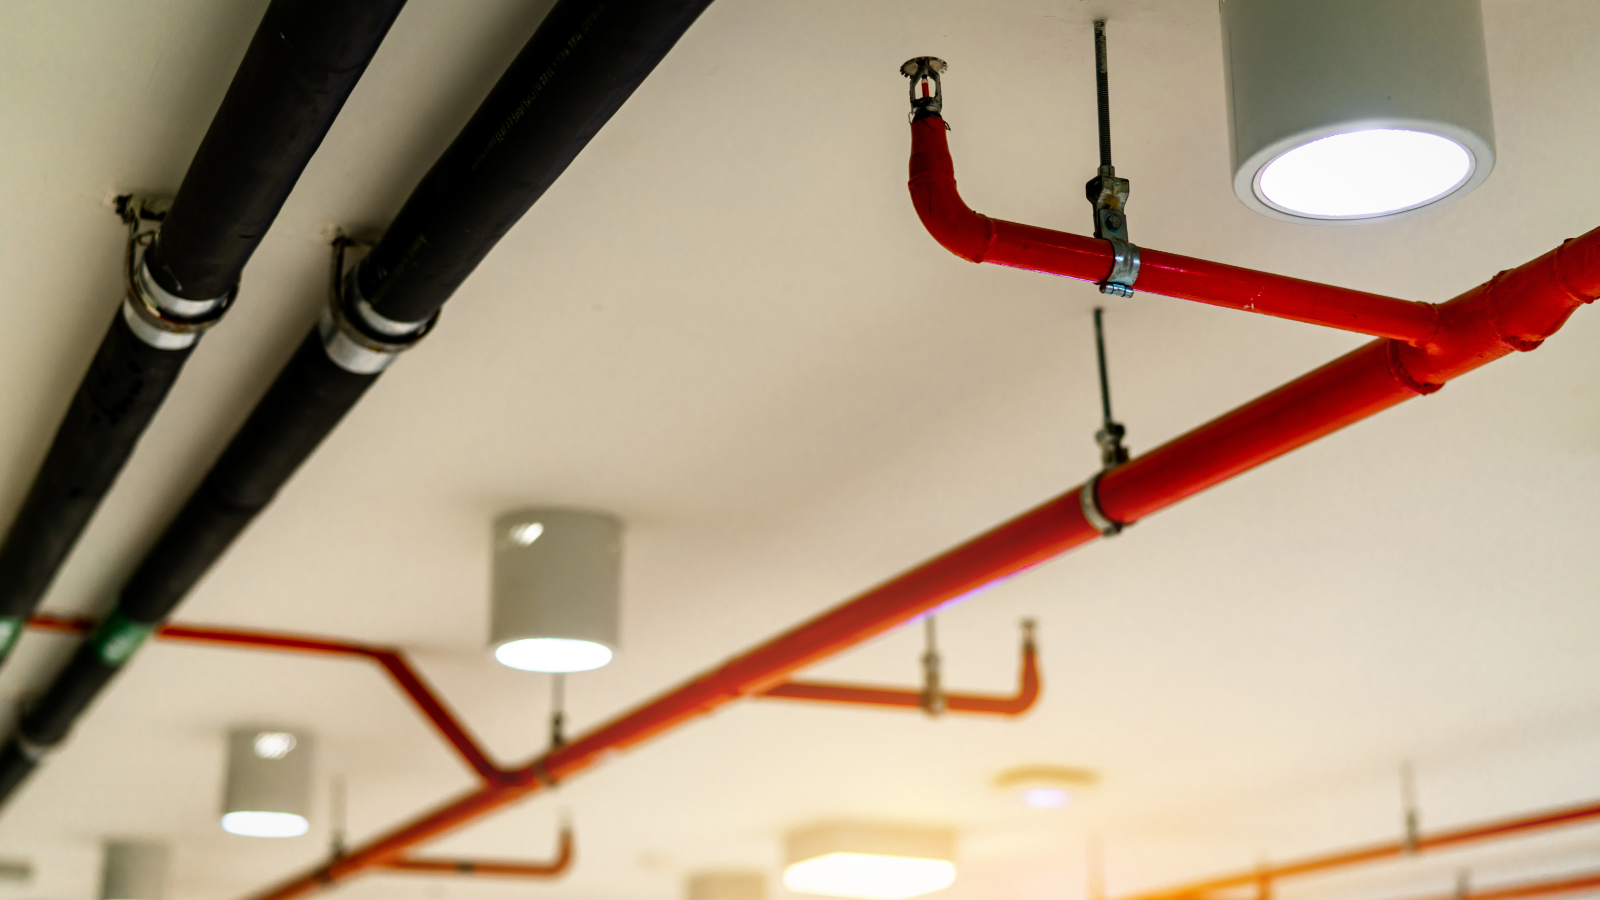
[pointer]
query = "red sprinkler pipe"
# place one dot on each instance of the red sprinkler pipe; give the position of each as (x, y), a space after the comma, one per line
(1569, 885)
(1515, 310)
(978, 238)
(392, 661)
(1572, 815)
(555, 867)
(979, 704)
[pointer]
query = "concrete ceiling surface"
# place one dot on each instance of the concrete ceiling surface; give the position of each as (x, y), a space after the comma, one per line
(725, 324)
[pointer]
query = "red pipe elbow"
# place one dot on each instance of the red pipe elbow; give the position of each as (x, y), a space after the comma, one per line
(952, 223)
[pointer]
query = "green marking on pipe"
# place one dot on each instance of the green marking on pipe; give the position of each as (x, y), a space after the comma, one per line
(10, 630)
(118, 637)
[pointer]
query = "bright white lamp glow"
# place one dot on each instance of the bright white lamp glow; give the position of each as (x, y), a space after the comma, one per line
(526, 533)
(1046, 797)
(552, 655)
(264, 824)
(869, 876)
(1365, 173)
(273, 744)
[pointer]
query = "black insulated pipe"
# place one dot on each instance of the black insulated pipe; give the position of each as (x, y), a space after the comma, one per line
(300, 67)
(581, 64)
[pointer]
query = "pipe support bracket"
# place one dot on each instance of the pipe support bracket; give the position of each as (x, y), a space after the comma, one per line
(161, 319)
(355, 337)
(1124, 268)
(1089, 501)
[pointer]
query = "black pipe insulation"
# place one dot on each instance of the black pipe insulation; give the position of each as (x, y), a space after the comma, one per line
(302, 64)
(298, 71)
(301, 408)
(581, 64)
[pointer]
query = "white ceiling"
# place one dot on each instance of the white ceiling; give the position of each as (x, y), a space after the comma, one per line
(725, 324)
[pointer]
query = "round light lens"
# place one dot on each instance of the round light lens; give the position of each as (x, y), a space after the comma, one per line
(264, 824)
(1362, 174)
(552, 655)
(1046, 797)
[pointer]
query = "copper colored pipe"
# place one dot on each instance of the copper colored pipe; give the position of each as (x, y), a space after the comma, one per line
(1515, 310)
(1568, 885)
(557, 866)
(1572, 815)
(978, 238)
(390, 659)
(980, 704)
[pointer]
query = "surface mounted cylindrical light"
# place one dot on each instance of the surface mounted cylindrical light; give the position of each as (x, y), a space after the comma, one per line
(1345, 111)
(268, 792)
(728, 885)
(870, 860)
(134, 870)
(557, 589)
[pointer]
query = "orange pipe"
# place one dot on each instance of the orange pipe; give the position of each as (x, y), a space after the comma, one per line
(979, 704)
(392, 661)
(555, 867)
(1513, 311)
(1572, 815)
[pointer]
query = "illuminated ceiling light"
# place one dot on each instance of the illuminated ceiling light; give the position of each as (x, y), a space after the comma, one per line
(728, 885)
(1344, 112)
(557, 589)
(134, 870)
(1045, 787)
(268, 792)
(870, 861)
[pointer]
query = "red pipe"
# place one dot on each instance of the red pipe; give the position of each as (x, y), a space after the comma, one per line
(1571, 815)
(392, 661)
(978, 238)
(1514, 310)
(555, 867)
(824, 692)
(1569, 885)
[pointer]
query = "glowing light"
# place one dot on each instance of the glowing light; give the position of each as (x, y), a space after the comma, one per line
(869, 876)
(526, 533)
(552, 655)
(264, 824)
(1365, 173)
(1046, 797)
(273, 744)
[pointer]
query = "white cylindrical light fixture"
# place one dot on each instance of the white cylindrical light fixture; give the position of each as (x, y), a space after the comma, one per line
(728, 885)
(873, 861)
(134, 870)
(268, 792)
(557, 589)
(1344, 111)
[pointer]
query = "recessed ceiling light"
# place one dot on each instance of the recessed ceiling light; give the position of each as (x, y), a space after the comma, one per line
(1340, 114)
(870, 861)
(557, 585)
(1045, 786)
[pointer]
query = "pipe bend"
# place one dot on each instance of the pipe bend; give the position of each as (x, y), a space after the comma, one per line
(944, 214)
